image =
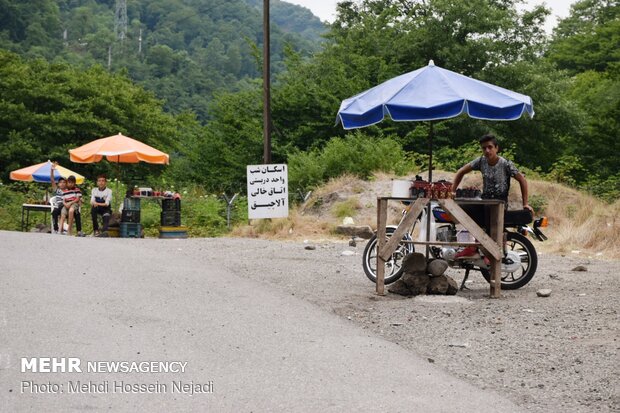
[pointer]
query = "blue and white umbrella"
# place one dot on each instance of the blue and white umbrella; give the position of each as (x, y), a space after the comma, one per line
(432, 93)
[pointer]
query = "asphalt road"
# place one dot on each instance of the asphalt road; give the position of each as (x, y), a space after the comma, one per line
(247, 346)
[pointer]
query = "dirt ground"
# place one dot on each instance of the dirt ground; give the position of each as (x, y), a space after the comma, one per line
(555, 354)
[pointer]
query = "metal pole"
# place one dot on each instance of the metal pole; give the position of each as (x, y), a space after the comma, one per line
(229, 203)
(266, 86)
(430, 153)
(430, 180)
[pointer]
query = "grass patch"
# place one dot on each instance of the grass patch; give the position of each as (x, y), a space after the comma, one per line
(347, 208)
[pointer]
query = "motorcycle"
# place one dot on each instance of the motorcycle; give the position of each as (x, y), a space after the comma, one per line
(518, 265)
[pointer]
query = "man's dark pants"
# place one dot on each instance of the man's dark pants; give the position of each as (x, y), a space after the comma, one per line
(106, 212)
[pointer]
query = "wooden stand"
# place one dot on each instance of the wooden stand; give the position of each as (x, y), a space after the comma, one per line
(492, 244)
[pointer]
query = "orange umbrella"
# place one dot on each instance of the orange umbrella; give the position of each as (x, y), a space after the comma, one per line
(118, 148)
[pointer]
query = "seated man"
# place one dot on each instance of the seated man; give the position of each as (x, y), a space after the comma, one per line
(101, 201)
(57, 191)
(71, 199)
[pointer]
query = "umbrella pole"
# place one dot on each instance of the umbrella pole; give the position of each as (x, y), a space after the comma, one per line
(118, 177)
(430, 180)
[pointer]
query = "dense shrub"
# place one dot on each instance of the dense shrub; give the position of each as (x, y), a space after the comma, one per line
(357, 154)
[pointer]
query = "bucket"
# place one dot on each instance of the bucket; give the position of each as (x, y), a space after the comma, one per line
(401, 189)
(464, 236)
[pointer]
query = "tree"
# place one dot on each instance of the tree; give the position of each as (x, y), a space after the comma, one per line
(589, 38)
(45, 109)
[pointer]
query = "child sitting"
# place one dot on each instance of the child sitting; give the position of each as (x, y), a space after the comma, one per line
(71, 201)
(101, 201)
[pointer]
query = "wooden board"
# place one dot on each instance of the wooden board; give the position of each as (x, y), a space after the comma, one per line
(488, 243)
(386, 252)
(381, 223)
(497, 233)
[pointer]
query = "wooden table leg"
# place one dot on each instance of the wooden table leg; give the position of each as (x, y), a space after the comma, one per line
(497, 233)
(381, 223)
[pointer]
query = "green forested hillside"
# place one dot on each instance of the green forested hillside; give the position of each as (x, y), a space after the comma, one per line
(182, 50)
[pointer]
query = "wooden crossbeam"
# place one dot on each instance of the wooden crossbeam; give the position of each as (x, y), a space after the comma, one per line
(460, 216)
(386, 252)
(381, 223)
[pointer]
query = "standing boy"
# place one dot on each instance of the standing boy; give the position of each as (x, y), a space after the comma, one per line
(496, 173)
(101, 201)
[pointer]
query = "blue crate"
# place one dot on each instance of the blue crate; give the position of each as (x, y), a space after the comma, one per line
(132, 204)
(130, 230)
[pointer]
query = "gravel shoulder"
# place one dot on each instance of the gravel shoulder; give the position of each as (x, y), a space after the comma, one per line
(559, 353)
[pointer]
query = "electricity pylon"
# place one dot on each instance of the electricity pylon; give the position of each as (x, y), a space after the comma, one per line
(120, 20)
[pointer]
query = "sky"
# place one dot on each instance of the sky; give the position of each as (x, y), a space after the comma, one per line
(326, 9)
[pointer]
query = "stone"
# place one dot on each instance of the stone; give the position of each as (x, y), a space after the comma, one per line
(543, 292)
(442, 285)
(400, 288)
(409, 277)
(42, 228)
(352, 243)
(348, 221)
(347, 253)
(310, 247)
(416, 281)
(580, 268)
(453, 287)
(414, 262)
(437, 267)
(437, 285)
(360, 231)
(115, 220)
(331, 197)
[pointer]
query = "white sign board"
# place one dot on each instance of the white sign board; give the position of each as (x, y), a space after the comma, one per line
(267, 191)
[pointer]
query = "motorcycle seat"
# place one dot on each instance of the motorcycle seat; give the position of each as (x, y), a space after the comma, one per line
(516, 218)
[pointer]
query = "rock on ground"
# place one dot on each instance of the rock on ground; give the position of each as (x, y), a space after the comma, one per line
(437, 267)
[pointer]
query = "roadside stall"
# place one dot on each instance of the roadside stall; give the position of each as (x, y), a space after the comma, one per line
(123, 149)
(40, 173)
(433, 94)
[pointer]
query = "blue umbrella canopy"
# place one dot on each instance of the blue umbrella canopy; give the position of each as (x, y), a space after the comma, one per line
(432, 93)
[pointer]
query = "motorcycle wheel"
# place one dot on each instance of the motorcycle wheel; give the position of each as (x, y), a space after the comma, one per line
(529, 262)
(393, 270)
